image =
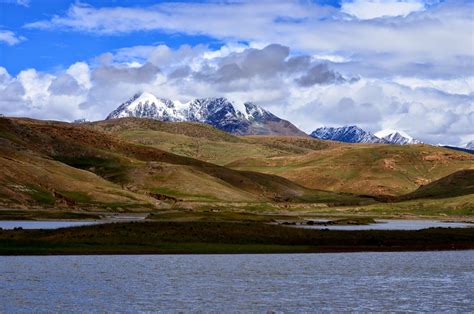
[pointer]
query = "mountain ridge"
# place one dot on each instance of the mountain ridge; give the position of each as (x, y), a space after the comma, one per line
(354, 134)
(237, 118)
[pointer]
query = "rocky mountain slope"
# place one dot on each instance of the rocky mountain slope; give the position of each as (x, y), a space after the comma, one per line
(347, 134)
(354, 134)
(396, 137)
(239, 119)
(470, 145)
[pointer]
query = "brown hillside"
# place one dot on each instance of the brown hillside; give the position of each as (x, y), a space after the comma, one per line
(141, 169)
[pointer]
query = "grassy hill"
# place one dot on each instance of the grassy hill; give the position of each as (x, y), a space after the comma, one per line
(457, 184)
(364, 169)
(84, 162)
(352, 168)
(140, 164)
(203, 142)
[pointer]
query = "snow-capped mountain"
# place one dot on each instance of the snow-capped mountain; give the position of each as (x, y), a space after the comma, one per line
(396, 137)
(470, 145)
(241, 119)
(348, 134)
(354, 134)
(146, 105)
(81, 121)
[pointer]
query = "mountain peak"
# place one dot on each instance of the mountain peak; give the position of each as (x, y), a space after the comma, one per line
(354, 134)
(234, 117)
(147, 105)
(348, 134)
(397, 137)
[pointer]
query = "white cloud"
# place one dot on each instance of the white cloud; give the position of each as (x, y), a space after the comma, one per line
(462, 85)
(435, 42)
(433, 111)
(25, 3)
(10, 38)
(401, 64)
(369, 9)
(81, 72)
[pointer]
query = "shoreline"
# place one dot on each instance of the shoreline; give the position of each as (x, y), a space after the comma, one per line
(117, 253)
(10, 214)
(133, 238)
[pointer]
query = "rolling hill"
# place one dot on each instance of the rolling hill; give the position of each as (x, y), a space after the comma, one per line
(456, 184)
(367, 169)
(80, 165)
(370, 169)
(136, 164)
(204, 142)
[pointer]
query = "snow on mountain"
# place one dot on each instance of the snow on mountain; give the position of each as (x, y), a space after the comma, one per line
(354, 134)
(470, 145)
(80, 121)
(396, 137)
(348, 134)
(238, 118)
(146, 105)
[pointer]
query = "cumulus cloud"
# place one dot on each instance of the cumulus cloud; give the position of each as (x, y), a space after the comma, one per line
(319, 74)
(10, 38)
(428, 38)
(369, 9)
(295, 86)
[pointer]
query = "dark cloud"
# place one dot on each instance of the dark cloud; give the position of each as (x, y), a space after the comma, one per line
(113, 74)
(180, 72)
(319, 74)
(298, 63)
(267, 63)
(64, 84)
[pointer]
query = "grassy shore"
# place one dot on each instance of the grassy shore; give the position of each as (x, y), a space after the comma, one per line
(223, 237)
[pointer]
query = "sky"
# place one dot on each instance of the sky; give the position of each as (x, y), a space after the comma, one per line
(378, 64)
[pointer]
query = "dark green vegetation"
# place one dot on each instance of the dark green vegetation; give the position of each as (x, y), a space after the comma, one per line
(223, 237)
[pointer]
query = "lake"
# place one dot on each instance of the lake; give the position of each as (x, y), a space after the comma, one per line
(401, 281)
(383, 225)
(26, 224)
(392, 224)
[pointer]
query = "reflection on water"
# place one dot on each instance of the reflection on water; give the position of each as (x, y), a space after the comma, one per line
(394, 225)
(361, 282)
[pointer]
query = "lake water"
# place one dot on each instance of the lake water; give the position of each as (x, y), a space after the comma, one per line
(383, 225)
(10, 224)
(415, 281)
(395, 225)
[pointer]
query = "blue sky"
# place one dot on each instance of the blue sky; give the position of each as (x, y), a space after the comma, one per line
(50, 51)
(397, 62)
